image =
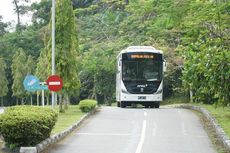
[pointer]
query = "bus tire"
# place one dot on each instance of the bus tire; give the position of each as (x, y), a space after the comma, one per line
(118, 104)
(146, 105)
(152, 105)
(123, 105)
(157, 105)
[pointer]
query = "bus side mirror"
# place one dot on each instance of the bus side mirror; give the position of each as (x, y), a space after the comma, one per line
(164, 66)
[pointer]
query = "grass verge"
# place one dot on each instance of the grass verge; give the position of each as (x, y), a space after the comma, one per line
(217, 144)
(66, 119)
(221, 114)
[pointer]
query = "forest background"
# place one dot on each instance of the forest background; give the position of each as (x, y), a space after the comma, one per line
(193, 34)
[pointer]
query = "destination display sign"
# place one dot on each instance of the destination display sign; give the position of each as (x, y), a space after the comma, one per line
(146, 56)
(140, 56)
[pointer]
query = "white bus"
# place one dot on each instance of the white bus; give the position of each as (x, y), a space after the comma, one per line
(139, 77)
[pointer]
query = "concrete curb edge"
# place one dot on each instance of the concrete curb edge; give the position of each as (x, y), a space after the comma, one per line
(57, 137)
(219, 131)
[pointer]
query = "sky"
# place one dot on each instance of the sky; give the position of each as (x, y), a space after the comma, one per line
(7, 12)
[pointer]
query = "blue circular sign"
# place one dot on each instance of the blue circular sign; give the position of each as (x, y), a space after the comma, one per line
(31, 83)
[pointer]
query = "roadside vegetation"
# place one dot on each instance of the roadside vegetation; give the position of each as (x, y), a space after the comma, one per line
(26, 125)
(221, 114)
(193, 34)
(65, 120)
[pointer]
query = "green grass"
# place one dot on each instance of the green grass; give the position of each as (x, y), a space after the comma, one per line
(66, 119)
(175, 100)
(221, 114)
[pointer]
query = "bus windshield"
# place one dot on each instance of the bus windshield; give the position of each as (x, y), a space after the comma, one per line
(141, 70)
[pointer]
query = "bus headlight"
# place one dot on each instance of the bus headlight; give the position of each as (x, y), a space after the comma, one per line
(124, 91)
(158, 92)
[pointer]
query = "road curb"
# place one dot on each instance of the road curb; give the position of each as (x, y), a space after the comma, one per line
(219, 131)
(57, 137)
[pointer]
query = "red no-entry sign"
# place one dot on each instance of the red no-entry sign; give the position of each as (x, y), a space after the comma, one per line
(54, 83)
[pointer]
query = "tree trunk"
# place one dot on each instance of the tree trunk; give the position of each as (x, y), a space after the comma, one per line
(2, 102)
(191, 95)
(66, 102)
(31, 99)
(60, 104)
(22, 101)
(56, 99)
(94, 94)
(37, 98)
(16, 101)
(47, 99)
(18, 27)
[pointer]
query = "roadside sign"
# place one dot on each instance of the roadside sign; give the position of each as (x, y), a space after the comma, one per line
(31, 83)
(54, 83)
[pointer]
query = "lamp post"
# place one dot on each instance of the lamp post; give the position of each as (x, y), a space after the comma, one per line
(53, 47)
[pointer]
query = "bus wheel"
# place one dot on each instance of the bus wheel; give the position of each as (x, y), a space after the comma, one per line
(157, 105)
(123, 105)
(152, 105)
(118, 104)
(146, 105)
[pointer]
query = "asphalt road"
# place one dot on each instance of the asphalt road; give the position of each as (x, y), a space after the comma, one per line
(131, 130)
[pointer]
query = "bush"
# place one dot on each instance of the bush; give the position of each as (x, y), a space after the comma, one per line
(87, 105)
(26, 125)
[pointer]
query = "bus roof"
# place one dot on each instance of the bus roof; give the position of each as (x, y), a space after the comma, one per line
(149, 49)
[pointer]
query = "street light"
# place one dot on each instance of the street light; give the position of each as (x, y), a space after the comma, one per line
(53, 47)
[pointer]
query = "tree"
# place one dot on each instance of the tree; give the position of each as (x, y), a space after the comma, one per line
(20, 8)
(3, 27)
(30, 70)
(3, 80)
(41, 13)
(19, 72)
(66, 48)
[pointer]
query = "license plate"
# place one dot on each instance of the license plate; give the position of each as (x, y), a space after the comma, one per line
(141, 97)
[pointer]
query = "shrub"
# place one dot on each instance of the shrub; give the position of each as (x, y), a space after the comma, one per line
(87, 105)
(26, 125)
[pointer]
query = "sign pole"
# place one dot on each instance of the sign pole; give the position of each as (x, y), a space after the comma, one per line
(43, 98)
(53, 46)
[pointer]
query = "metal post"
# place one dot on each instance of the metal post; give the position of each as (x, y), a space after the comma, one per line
(53, 46)
(43, 98)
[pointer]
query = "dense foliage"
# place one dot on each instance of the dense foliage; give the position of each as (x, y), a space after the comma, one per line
(87, 105)
(26, 125)
(193, 34)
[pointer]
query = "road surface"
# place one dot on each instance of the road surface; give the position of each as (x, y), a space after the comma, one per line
(137, 130)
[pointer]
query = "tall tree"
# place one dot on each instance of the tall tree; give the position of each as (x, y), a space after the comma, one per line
(3, 80)
(19, 72)
(20, 8)
(30, 69)
(66, 48)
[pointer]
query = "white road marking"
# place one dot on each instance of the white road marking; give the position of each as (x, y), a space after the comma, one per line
(183, 129)
(54, 83)
(105, 134)
(154, 128)
(145, 113)
(139, 147)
